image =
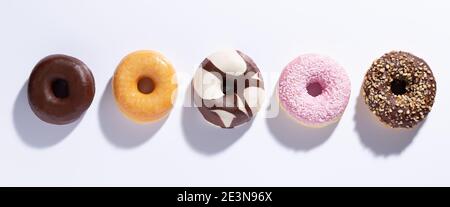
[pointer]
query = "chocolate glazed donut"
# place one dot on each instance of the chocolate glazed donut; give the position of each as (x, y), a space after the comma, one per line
(399, 88)
(60, 89)
(228, 88)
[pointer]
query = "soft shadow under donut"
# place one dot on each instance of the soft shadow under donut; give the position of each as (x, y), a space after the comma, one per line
(292, 134)
(33, 131)
(381, 140)
(204, 137)
(117, 129)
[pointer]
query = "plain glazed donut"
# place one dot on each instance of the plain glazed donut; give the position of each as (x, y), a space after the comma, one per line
(145, 86)
(228, 88)
(60, 89)
(314, 90)
(399, 89)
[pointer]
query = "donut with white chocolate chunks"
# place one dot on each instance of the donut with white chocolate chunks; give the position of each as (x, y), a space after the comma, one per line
(228, 88)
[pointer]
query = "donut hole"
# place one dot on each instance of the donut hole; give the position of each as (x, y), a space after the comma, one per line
(314, 89)
(60, 88)
(398, 86)
(145, 85)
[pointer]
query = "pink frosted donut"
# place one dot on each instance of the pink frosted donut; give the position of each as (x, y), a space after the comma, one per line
(314, 90)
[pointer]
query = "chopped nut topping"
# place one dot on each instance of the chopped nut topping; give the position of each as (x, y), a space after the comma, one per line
(400, 89)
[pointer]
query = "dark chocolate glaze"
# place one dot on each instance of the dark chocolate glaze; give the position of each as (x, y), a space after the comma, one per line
(399, 89)
(65, 101)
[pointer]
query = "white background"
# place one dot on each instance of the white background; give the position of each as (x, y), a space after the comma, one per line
(105, 149)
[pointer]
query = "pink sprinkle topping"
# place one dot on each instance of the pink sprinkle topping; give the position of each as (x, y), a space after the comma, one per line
(314, 89)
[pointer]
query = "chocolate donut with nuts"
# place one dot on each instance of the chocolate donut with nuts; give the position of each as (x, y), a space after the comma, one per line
(228, 88)
(399, 88)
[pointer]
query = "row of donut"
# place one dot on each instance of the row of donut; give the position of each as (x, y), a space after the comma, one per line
(228, 89)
